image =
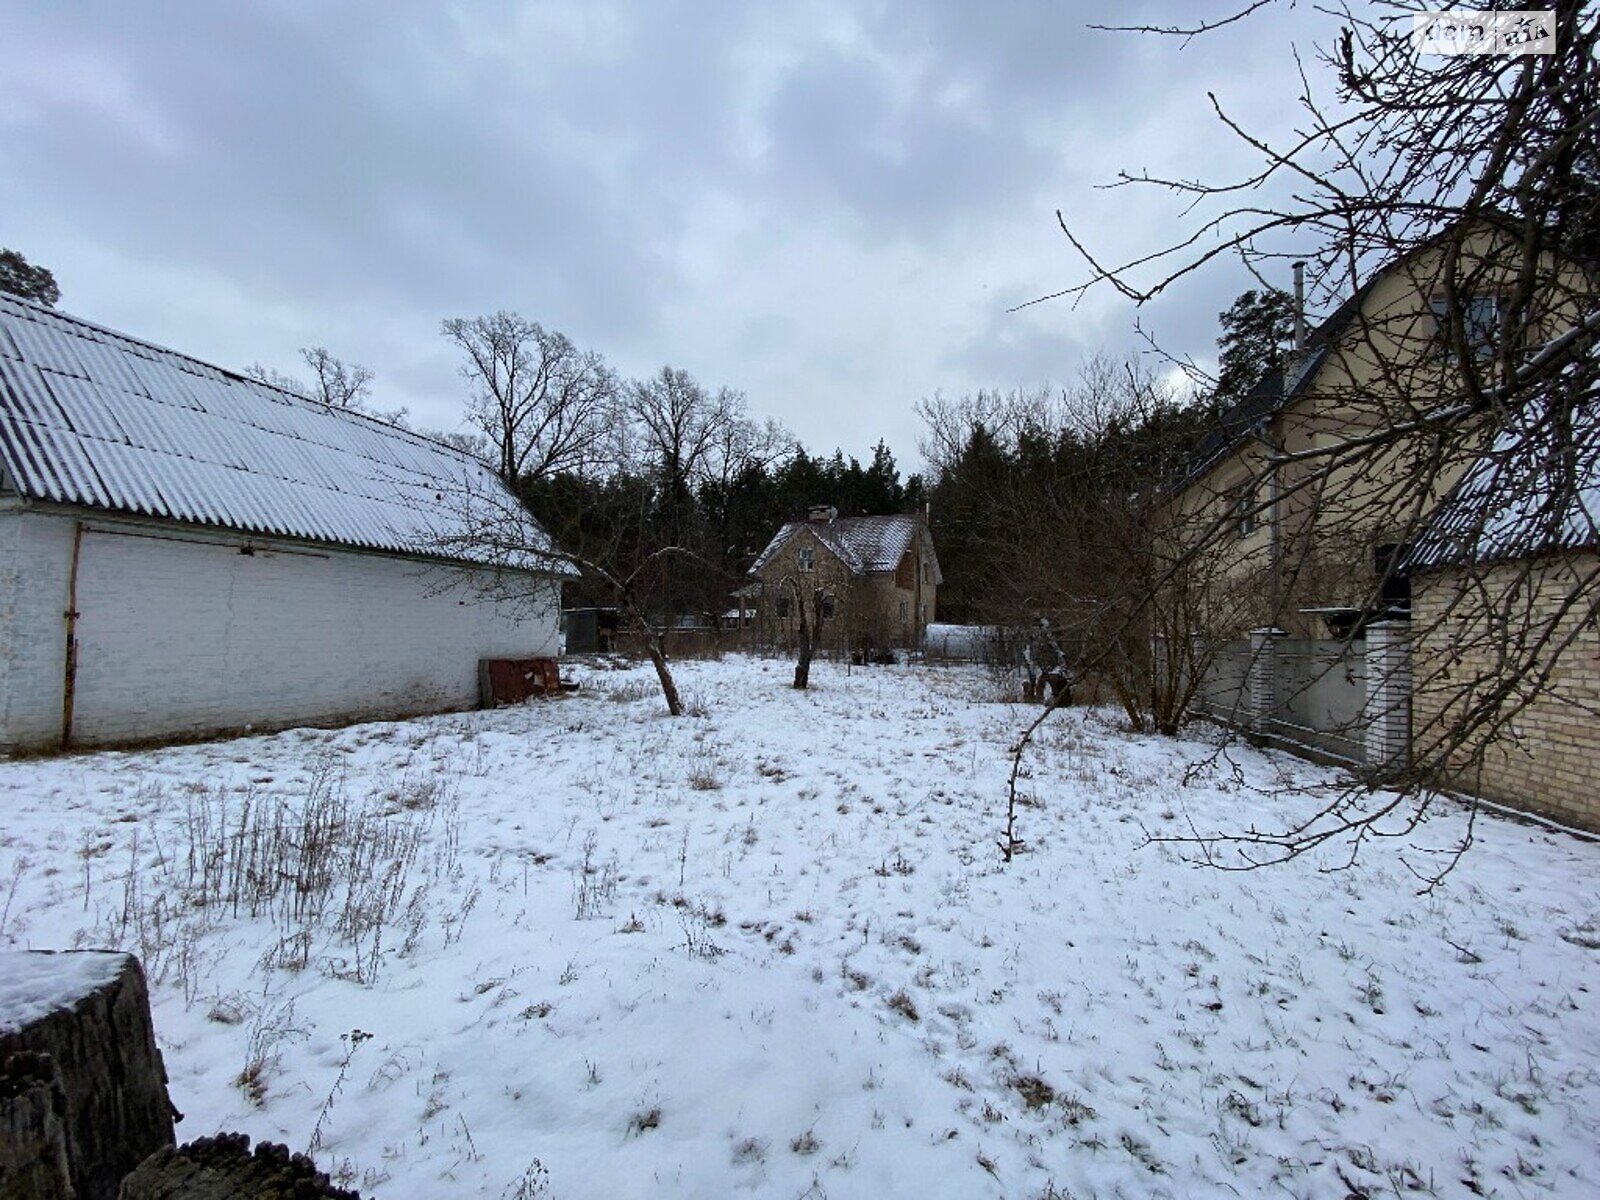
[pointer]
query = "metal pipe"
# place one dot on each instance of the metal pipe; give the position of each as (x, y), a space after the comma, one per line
(70, 676)
(1299, 307)
(1291, 369)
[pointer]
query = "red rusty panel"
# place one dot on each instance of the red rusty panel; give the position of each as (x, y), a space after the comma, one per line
(513, 680)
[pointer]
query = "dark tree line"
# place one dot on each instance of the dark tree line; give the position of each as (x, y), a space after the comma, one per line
(1003, 459)
(722, 521)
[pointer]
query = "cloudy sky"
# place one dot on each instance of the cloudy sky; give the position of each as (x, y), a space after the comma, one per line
(828, 206)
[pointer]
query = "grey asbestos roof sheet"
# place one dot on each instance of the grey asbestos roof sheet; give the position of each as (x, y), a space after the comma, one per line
(93, 418)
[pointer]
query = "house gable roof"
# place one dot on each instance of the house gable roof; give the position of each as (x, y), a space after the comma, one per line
(91, 417)
(1267, 397)
(863, 544)
(1272, 394)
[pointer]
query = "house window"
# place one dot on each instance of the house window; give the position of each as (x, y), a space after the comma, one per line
(927, 573)
(827, 608)
(781, 606)
(905, 610)
(1480, 320)
(1246, 515)
(807, 560)
(922, 613)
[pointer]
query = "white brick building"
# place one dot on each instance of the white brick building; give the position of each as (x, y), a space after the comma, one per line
(183, 551)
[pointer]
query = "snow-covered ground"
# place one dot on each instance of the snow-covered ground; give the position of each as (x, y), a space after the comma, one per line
(771, 949)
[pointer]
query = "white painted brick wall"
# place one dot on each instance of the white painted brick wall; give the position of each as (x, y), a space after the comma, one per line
(35, 560)
(183, 636)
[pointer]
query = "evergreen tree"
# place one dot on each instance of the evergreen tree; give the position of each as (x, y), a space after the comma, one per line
(21, 278)
(1257, 333)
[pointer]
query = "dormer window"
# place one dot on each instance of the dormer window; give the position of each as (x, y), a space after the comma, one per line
(1480, 322)
(807, 560)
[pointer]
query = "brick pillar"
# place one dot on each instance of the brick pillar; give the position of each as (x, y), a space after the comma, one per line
(1388, 711)
(1261, 684)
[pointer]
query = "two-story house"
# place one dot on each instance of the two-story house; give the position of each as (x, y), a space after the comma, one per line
(872, 582)
(1312, 486)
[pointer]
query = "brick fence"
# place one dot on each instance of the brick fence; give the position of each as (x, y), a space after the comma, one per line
(1347, 703)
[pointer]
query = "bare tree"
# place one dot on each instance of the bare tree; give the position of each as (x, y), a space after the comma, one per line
(336, 383)
(491, 527)
(680, 425)
(612, 471)
(808, 624)
(690, 441)
(277, 379)
(1067, 522)
(1466, 186)
(742, 453)
(544, 405)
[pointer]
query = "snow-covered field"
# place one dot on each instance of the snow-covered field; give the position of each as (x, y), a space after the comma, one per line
(771, 949)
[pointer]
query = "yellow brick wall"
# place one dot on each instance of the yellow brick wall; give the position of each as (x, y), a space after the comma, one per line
(1546, 759)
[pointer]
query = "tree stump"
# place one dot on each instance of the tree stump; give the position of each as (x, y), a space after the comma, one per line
(82, 1077)
(223, 1168)
(33, 1132)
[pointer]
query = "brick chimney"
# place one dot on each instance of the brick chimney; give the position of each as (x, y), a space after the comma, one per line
(825, 514)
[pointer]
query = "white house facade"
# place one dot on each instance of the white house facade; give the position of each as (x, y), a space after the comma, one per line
(186, 552)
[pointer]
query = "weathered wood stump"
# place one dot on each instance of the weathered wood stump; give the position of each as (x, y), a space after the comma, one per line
(82, 1076)
(33, 1132)
(223, 1168)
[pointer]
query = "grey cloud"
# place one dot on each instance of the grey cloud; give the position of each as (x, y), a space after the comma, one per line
(302, 176)
(355, 172)
(903, 168)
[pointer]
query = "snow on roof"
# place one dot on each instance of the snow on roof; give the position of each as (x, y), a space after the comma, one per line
(1537, 490)
(91, 417)
(864, 544)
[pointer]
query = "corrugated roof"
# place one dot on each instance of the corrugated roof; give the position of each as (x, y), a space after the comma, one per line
(1536, 491)
(864, 544)
(91, 417)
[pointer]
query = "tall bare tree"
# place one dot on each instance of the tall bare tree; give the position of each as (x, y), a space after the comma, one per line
(692, 440)
(544, 405)
(679, 425)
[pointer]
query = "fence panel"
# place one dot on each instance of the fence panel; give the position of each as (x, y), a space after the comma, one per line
(1316, 698)
(1320, 693)
(1224, 691)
